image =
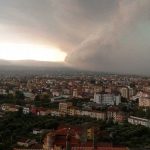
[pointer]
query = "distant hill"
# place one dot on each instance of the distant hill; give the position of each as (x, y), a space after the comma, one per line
(26, 67)
(23, 67)
(31, 63)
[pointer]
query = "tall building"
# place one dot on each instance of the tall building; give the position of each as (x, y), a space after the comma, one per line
(124, 92)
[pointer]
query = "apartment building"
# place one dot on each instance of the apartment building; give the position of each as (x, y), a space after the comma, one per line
(106, 99)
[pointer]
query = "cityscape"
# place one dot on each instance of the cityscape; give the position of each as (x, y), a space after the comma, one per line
(75, 110)
(74, 75)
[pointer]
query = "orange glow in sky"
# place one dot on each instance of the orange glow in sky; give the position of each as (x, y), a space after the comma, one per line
(12, 51)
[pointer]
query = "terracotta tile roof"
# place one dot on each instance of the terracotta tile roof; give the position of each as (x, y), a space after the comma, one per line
(64, 128)
(34, 146)
(90, 144)
(99, 148)
(23, 140)
(113, 109)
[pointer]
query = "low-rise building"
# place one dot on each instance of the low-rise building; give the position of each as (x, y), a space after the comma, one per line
(43, 111)
(63, 107)
(139, 121)
(120, 117)
(26, 110)
(72, 110)
(55, 113)
(3, 92)
(29, 96)
(59, 99)
(26, 142)
(9, 107)
(37, 131)
(98, 115)
(78, 112)
(112, 112)
(144, 100)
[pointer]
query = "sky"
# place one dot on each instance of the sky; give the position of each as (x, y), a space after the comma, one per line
(101, 35)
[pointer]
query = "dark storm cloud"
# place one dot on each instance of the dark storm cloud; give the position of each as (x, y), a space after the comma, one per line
(112, 49)
(103, 35)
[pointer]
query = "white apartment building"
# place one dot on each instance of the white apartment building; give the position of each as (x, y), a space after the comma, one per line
(106, 99)
(139, 121)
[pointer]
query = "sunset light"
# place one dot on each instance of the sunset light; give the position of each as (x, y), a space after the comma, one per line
(11, 51)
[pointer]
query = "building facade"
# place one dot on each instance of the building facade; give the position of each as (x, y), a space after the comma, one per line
(106, 99)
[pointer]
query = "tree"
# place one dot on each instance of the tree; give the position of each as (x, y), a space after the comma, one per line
(19, 95)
